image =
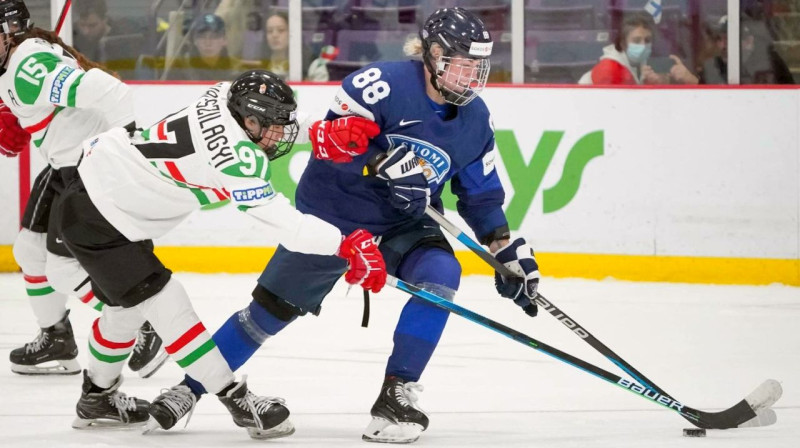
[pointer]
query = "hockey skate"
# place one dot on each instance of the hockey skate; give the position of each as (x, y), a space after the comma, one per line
(396, 418)
(108, 408)
(264, 417)
(171, 406)
(147, 356)
(53, 352)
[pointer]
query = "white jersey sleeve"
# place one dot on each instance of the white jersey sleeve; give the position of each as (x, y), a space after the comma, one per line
(95, 89)
(198, 157)
(246, 177)
(296, 231)
(45, 74)
(58, 102)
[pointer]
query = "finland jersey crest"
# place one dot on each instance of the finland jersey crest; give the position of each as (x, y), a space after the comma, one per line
(434, 161)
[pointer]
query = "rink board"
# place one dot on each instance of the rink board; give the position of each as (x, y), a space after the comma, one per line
(676, 185)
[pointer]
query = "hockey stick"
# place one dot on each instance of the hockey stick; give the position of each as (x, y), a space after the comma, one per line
(63, 16)
(764, 396)
(754, 406)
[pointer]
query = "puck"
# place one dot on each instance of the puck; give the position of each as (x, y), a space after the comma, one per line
(694, 432)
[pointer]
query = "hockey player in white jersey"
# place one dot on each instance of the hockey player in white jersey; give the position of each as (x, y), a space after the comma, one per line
(60, 98)
(137, 185)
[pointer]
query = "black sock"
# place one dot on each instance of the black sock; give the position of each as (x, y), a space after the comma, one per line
(227, 388)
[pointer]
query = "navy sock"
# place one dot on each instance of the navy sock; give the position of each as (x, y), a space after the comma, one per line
(240, 336)
(421, 324)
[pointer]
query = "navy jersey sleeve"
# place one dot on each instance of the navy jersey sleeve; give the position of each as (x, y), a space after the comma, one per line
(480, 195)
(364, 93)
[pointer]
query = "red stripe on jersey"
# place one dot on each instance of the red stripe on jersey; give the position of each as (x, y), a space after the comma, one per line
(105, 342)
(42, 124)
(175, 172)
(89, 296)
(220, 195)
(185, 339)
(162, 136)
(177, 175)
(34, 278)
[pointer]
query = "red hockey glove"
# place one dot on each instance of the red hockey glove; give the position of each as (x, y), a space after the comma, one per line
(340, 139)
(13, 139)
(367, 267)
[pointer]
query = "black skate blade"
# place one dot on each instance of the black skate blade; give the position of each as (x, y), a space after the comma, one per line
(381, 430)
(60, 367)
(152, 367)
(153, 426)
(283, 429)
(104, 424)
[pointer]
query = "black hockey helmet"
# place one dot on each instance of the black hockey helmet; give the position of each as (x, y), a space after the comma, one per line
(460, 34)
(15, 20)
(264, 97)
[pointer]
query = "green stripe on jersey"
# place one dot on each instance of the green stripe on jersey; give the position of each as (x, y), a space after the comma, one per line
(197, 354)
(73, 90)
(40, 291)
(201, 196)
(214, 205)
(108, 358)
(39, 141)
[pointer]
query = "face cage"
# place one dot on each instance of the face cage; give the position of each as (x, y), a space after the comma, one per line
(459, 83)
(20, 26)
(282, 146)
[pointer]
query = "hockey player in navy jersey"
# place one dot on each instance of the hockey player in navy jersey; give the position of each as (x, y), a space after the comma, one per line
(434, 128)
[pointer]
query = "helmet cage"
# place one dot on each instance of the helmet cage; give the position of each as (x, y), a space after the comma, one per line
(460, 79)
(461, 71)
(276, 147)
(15, 26)
(267, 112)
(15, 21)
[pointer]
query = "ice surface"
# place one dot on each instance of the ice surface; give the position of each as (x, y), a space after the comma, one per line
(708, 346)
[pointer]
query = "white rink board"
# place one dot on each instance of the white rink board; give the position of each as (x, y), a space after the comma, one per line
(683, 172)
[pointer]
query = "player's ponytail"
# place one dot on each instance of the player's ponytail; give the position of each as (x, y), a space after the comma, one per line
(413, 47)
(83, 61)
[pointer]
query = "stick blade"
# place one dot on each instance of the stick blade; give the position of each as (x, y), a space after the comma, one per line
(764, 417)
(765, 395)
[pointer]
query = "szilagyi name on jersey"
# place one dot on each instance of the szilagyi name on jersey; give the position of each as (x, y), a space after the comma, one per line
(213, 129)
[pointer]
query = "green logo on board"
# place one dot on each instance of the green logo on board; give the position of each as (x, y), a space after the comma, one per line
(526, 176)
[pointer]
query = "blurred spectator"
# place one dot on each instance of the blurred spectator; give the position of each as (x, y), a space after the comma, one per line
(208, 58)
(253, 36)
(625, 61)
(92, 24)
(760, 62)
(237, 15)
(318, 68)
(276, 56)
